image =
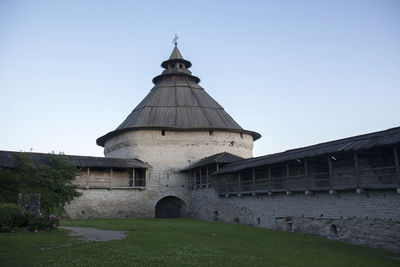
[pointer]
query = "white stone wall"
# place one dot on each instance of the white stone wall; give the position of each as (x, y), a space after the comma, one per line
(177, 149)
(171, 153)
(174, 151)
(167, 155)
(121, 203)
(372, 218)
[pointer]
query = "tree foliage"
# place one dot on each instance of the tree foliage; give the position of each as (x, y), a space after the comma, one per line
(53, 180)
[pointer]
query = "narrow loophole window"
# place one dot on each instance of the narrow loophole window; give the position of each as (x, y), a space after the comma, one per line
(163, 132)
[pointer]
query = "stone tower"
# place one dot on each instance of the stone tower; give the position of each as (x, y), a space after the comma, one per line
(176, 124)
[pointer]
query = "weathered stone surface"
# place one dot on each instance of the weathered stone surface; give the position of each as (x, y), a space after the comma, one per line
(120, 203)
(168, 155)
(177, 149)
(371, 219)
(372, 232)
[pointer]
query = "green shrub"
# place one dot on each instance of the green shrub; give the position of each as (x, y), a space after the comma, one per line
(52, 180)
(12, 217)
(36, 221)
(9, 214)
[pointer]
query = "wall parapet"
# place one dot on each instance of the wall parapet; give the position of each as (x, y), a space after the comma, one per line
(371, 169)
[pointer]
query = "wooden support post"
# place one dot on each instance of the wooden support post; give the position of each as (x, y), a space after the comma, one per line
(330, 173)
(287, 178)
(194, 178)
(306, 175)
(198, 181)
(217, 166)
(307, 178)
(201, 178)
(208, 182)
(240, 186)
(269, 179)
(111, 176)
(87, 178)
(134, 177)
(226, 186)
(397, 164)
(254, 180)
(190, 180)
(357, 172)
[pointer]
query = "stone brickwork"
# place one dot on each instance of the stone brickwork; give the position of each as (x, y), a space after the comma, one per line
(167, 154)
(371, 219)
(121, 203)
(177, 148)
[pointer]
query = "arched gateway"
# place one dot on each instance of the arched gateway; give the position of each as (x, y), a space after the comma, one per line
(169, 207)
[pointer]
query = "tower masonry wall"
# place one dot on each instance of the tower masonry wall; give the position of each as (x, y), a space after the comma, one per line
(371, 219)
(167, 155)
(122, 203)
(176, 150)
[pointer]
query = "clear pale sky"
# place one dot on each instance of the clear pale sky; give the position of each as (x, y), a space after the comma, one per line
(298, 72)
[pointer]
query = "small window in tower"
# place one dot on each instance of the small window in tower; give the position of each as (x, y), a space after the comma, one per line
(173, 65)
(211, 132)
(163, 132)
(241, 135)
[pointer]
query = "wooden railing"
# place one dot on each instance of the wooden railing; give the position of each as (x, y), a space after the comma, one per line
(367, 178)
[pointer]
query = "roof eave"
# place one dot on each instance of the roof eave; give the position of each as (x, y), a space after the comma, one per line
(101, 140)
(187, 63)
(162, 77)
(348, 145)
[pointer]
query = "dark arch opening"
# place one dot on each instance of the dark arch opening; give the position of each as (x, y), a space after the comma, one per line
(169, 207)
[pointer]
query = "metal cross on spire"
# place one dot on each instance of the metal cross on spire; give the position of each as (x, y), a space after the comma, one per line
(175, 41)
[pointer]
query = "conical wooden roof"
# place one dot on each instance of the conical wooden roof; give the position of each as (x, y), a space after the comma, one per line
(176, 54)
(177, 102)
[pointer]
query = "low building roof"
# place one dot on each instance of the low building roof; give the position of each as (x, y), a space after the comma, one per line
(223, 157)
(39, 159)
(355, 143)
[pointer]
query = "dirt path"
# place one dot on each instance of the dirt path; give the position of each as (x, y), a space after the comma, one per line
(94, 234)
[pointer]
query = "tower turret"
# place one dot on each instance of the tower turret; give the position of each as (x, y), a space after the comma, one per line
(175, 125)
(177, 102)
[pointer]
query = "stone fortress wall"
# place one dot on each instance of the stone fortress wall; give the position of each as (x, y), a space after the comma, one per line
(177, 149)
(167, 154)
(371, 218)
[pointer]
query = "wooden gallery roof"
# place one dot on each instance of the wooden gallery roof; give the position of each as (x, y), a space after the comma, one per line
(355, 143)
(220, 158)
(39, 159)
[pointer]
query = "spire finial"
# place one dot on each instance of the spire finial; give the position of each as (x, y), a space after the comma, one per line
(175, 41)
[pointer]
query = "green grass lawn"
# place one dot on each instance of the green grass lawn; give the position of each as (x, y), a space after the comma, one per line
(184, 242)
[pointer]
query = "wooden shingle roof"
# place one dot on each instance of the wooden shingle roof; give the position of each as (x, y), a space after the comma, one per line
(39, 159)
(354, 143)
(177, 102)
(220, 158)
